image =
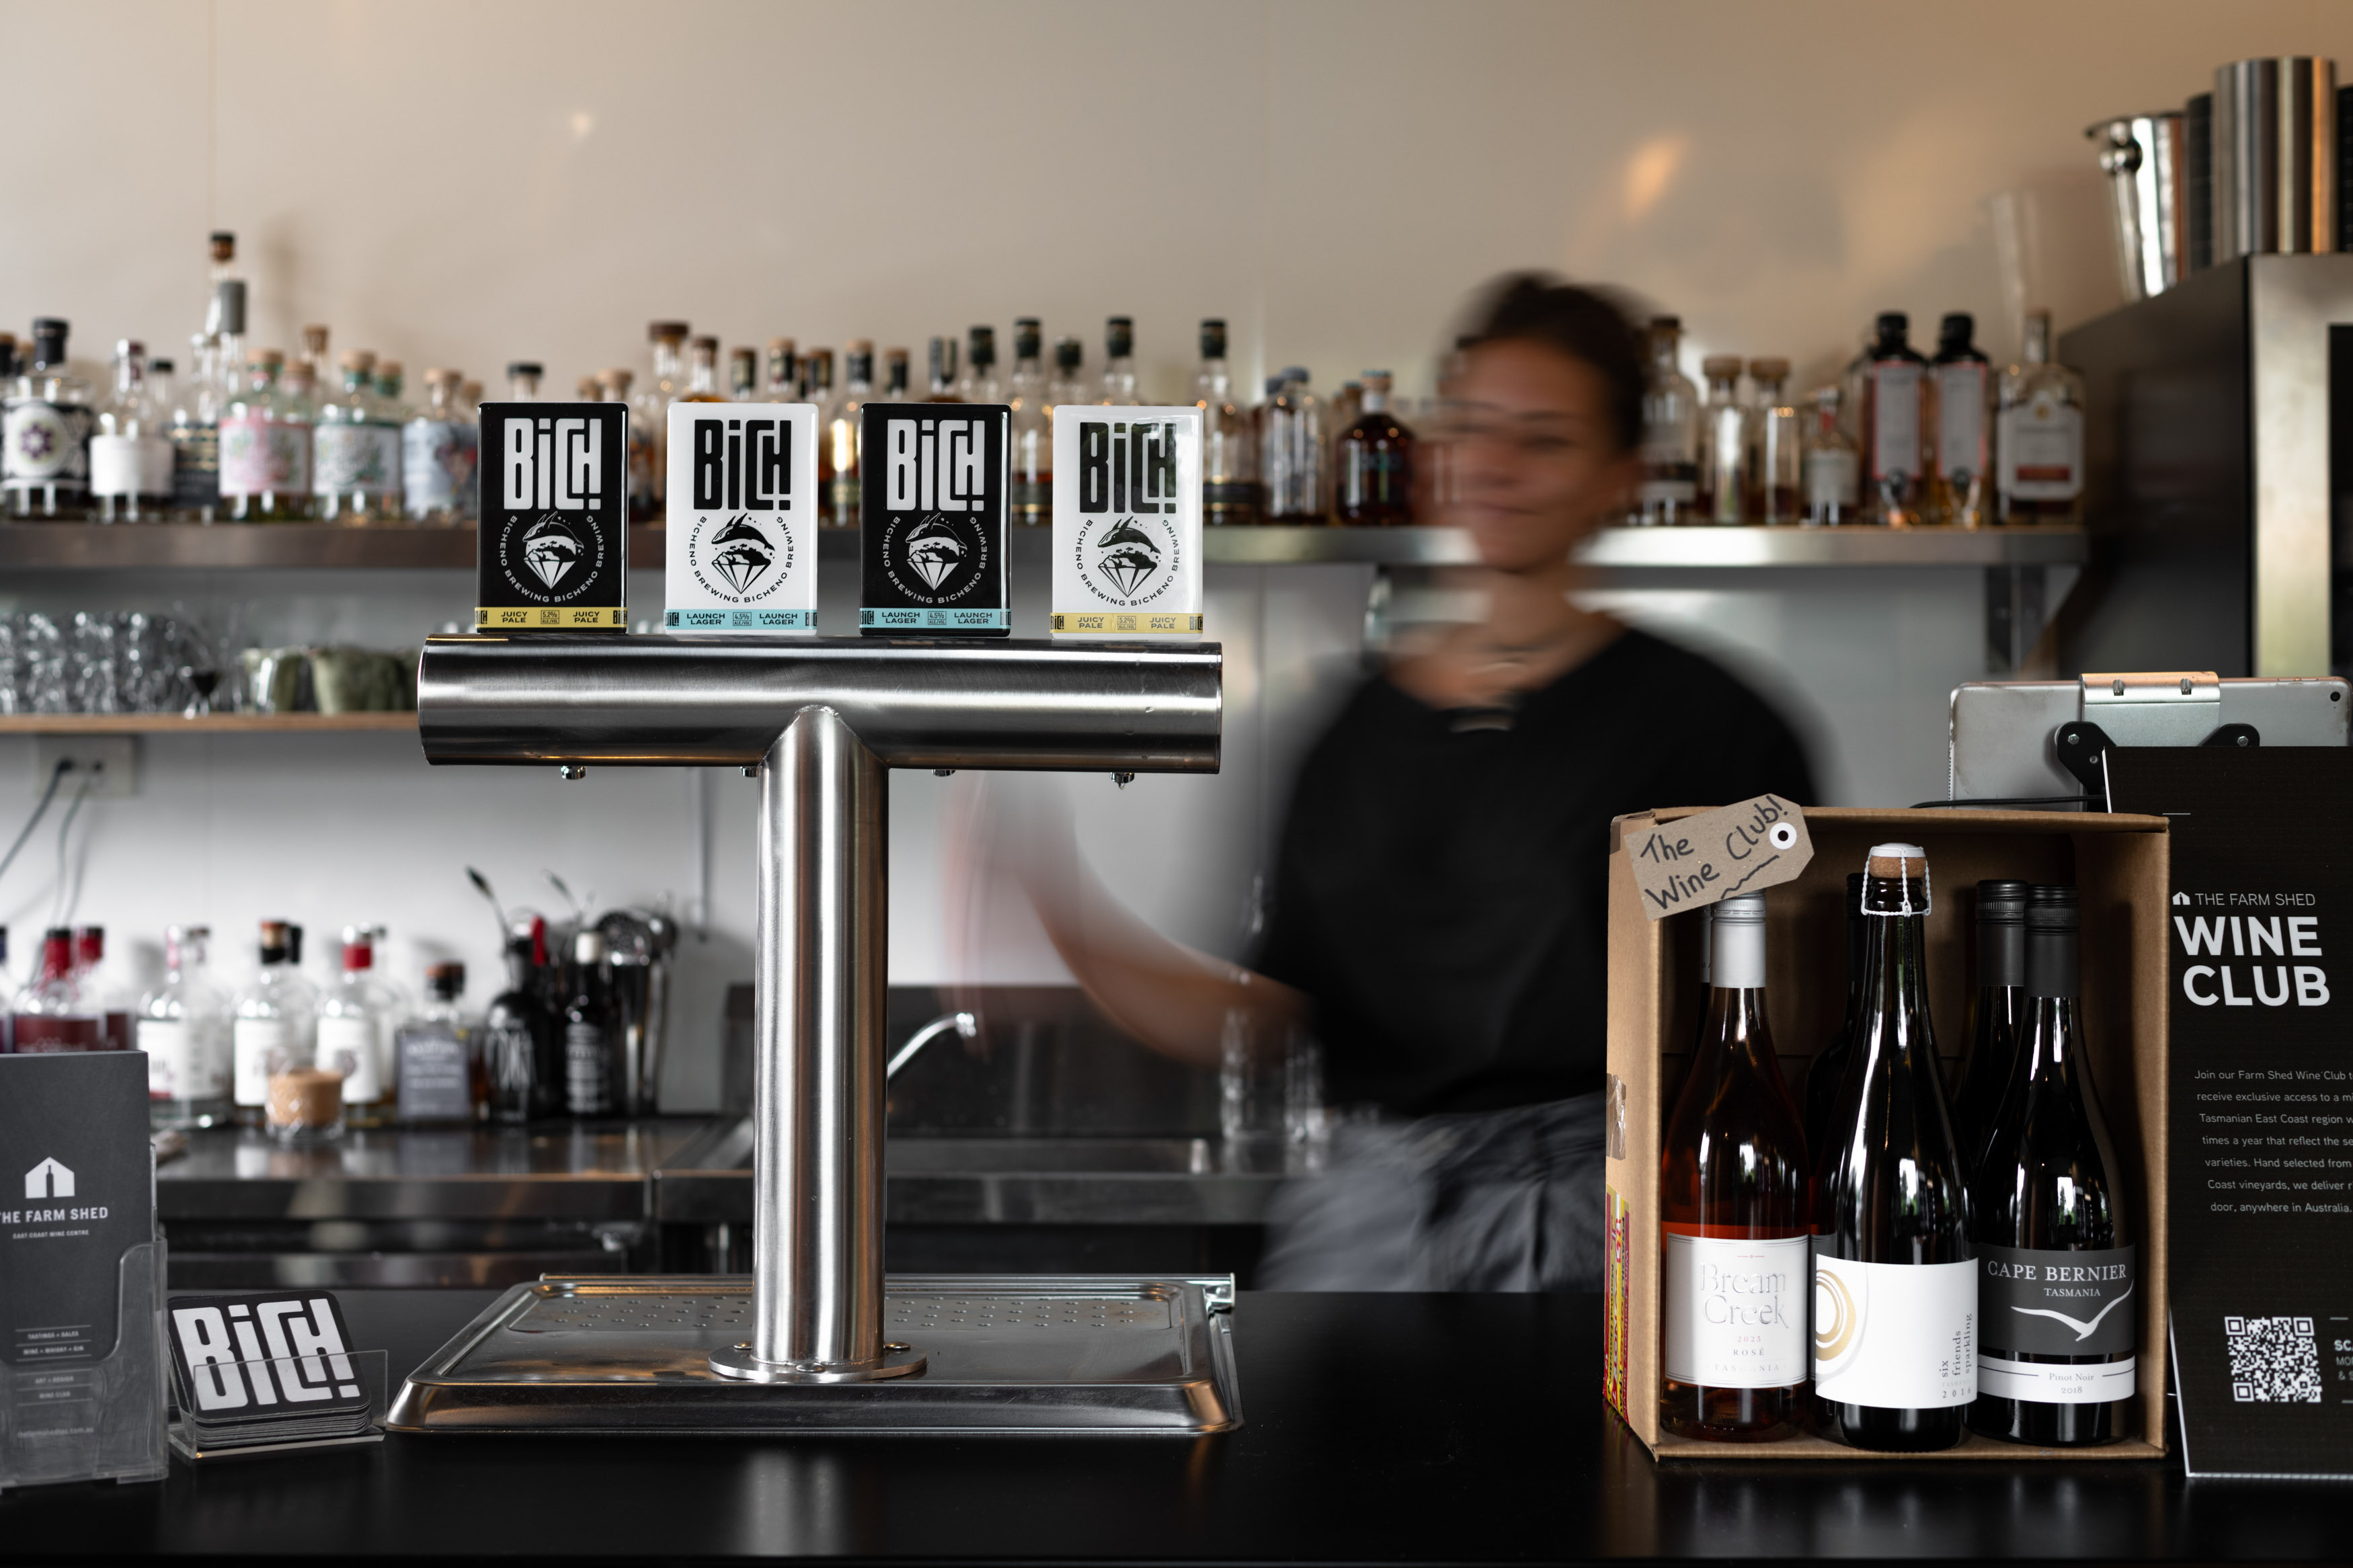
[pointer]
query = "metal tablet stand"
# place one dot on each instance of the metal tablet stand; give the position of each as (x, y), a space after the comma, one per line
(819, 720)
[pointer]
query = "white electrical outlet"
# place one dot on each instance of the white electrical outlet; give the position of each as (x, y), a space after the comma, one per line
(110, 762)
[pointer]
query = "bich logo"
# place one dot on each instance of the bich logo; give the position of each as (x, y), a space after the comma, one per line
(49, 1179)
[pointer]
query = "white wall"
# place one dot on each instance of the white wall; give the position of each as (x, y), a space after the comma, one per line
(467, 183)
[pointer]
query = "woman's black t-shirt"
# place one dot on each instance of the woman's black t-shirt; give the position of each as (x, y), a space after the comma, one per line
(1441, 891)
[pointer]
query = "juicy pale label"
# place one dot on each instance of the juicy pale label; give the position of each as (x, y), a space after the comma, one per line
(1127, 521)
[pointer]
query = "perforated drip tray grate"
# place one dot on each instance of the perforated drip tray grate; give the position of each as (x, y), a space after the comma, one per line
(1067, 1353)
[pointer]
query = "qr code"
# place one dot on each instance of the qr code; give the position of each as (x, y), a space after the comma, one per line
(2274, 1360)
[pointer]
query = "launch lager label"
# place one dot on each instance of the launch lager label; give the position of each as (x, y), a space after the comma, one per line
(933, 516)
(741, 547)
(1127, 521)
(553, 548)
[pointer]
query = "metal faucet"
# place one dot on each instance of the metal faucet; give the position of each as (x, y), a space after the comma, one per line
(820, 720)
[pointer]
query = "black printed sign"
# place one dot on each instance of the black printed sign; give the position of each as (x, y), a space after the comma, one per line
(2259, 1177)
(553, 552)
(933, 515)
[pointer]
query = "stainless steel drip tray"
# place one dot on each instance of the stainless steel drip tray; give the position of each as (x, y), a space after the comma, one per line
(631, 1353)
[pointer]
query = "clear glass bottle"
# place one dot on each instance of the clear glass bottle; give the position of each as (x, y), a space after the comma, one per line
(2039, 434)
(1119, 363)
(895, 377)
(1722, 431)
(184, 1027)
(355, 1035)
(1895, 425)
(130, 456)
(222, 246)
(1960, 398)
(743, 376)
(1670, 431)
(1774, 463)
(1832, 474)
(314, 356)
(1291, 449)
(103, 989)
(1229, 455)
(523, 376)
(196, 412)
(356, 450)
(439, 450)
(272, 1020)
(436, 1064)
(265, 447)
(391, 382)
(591, 1033)
(1374, 457)
(702, 372)
(53, 1013)
(652, 400)
(784, 371)
(45, 425)
(646, 501)
(816, 377)
(979, 384)
(943, 355)
(838, 479)
(1029, 500)
(1068, 384)
(1734, 1205)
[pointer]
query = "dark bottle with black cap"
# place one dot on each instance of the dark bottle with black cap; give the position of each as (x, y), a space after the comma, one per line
(1994, 1018)
(1960, 394)
(978, 384)
(1893, 435)
(45, 421)
(518, 1039)
(1119, 362)
(2058, 1299)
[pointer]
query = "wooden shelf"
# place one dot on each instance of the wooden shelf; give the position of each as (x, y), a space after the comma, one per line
(261, 546)
(218, 723)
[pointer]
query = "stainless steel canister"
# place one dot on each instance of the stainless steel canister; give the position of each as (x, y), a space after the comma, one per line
(2274, 157)
(2145, 158)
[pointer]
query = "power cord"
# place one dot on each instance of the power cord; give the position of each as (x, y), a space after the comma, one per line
(57, 777)
(64, 905)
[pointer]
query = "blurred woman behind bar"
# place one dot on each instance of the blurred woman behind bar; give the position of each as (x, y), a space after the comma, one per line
(1438, 919)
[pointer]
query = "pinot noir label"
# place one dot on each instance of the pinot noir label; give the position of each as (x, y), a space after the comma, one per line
(742, 518)
(1127, 521)
(554, 549)
(933, 513)
(2057, 1303)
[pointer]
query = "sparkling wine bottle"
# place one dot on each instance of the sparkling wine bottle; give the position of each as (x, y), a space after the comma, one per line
(1825, 1075)
(2053, 1237)
(1994, 1019)
(1735, 1214)
(1895, 1281)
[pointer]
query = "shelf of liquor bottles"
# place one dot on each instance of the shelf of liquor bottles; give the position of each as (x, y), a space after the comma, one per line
(206, 724)
(313, 546)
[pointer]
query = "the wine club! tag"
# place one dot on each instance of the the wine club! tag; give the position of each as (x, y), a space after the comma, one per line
(1698, 860)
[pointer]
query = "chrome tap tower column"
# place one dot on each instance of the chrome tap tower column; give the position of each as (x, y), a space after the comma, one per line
(819, 720)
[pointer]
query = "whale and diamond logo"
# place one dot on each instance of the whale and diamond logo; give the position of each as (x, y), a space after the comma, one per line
(741, 555)
(551, 549)
(933, 552)
(1127, 557)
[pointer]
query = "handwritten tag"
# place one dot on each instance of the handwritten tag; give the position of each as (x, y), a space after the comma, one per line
(1697, 860)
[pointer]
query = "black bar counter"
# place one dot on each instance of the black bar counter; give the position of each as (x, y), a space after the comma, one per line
(1378, 1429)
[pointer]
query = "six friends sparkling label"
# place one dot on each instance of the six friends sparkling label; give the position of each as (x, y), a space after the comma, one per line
(1127, 521)
(554, 546)
(741, 547)
(933, 517)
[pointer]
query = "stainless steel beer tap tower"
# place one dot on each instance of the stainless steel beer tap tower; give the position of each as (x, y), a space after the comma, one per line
(822, 1341)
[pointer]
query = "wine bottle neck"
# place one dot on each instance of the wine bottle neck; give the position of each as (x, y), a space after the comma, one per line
(1896, 989)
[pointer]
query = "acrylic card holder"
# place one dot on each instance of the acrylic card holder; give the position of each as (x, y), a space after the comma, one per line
(269, 1373)
(94, 1420)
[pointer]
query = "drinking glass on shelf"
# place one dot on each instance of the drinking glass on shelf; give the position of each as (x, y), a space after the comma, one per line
(94, 668)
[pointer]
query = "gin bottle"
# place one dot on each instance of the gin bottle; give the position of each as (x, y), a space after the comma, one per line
(1068, 384)
(1670, 431)
(265, 447)
(438, 453)
(314, 356)
(272, 1023)
(979, 383)
(45, 425)
(356, 450)
(895, 376)
(192, 405)
(652, 400)
(1229, 455)
(523, 376)
(1894, 424)
(354, 1033)
(943, 355)
(784, 371)
(130, 456)
(1291, 449)
(839, 480)
(1773, 463)
(1029, 503)
(184, 1027)
(1723, 429)
(1832, 474)
(2039, 434)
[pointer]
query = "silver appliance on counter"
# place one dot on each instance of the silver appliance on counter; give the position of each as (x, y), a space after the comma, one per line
(820, 1341)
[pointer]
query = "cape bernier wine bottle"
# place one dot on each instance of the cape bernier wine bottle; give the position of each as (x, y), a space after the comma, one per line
(1895, 1287)
(1735, 1214)
(2060, 1314)
(1992, 1061)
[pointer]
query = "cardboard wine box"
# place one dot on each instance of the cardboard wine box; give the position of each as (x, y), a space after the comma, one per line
(2119, 863)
